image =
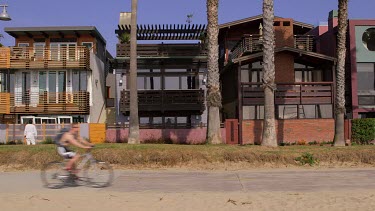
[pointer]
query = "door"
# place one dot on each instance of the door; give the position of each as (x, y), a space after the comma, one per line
(57, 86)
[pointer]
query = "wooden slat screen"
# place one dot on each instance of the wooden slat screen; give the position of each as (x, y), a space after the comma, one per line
(50, 103)
(4, 103)
(77, 57)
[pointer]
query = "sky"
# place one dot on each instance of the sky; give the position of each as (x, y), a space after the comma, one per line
(104, 14)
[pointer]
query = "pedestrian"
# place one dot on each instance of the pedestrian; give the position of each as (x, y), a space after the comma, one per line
(30, 133)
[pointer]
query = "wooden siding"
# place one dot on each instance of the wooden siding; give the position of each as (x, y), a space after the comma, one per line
(77, 57)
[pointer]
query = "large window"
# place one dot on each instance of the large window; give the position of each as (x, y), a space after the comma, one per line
(366, 83)
(79, 80)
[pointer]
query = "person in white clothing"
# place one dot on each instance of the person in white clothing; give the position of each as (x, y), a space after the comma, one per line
(30, 133)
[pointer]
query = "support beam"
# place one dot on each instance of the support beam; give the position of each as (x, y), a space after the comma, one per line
(239, 104)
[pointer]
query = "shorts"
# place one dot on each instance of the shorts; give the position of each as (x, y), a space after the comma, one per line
(65, 152)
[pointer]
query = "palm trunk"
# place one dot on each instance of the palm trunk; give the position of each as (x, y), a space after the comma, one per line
(134, 121)
(269, 132)
(213, 92)
(339, 139)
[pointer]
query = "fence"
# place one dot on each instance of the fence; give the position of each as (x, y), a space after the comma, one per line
(15, 132)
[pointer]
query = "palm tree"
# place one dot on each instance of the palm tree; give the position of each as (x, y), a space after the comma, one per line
(213, 85)
(339, 139)
(134, 121)
(269, 132)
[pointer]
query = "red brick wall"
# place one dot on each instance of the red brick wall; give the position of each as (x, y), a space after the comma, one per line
(284, 67)
(291, 130)
(284, 34)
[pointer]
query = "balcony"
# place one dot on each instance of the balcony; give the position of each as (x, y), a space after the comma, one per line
(163, 50)
(50, 103)
(75, 57)
(179, 102)
(4, 103)
(252, 43)
(303, 93)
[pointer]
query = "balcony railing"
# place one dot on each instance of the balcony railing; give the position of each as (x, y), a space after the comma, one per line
(162, 50)
(165, 100)
(77, 57)
(303, 93)
(4, 103)
(50, 103)
(251, 43)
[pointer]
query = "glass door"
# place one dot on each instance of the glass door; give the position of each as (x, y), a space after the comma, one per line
(61, 86)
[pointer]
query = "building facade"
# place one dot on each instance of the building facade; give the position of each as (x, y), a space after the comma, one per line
(54, 75)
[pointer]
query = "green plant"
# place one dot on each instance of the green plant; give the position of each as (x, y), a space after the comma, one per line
(313, 143)
(48, 140)
(307, 158)
(363, 130)
(124, 38)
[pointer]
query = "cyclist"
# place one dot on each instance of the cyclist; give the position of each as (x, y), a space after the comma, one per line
(71, 137)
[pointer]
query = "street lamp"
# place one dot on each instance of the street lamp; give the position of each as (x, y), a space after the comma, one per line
(4, 15)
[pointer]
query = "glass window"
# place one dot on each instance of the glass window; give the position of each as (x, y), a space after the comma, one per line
(365, 74)
(172, 83)
(52, 81)
(88, 45)
(42, 81)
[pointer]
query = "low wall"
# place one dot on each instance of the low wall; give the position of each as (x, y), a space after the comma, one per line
(291, 130)
(181, 136)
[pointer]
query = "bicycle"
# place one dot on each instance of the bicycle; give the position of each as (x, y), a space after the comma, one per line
(54, 175)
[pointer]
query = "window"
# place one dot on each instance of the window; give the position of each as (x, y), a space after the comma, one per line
(366, 83)
(79, 80)
(88, 45)
(148, 83)
(23, 44)
(286, 23)
(368, 39)
(39, 51)
(276, 23)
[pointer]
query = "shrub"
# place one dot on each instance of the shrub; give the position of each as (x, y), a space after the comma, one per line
(363, 130)
(307, 158)
(48, 140)
(313, 143)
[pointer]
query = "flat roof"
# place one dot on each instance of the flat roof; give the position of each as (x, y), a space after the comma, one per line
(53, 30)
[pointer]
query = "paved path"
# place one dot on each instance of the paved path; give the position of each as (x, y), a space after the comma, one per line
(174, 181)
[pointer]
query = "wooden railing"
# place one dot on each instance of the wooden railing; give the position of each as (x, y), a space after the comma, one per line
(162, 50)
(4, 103)
(303, 93)
(50, 103)
(77, 57)
(165, 100)
(251, 43)
(304, 42)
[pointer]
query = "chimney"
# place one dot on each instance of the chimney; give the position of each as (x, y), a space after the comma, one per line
(125, 18)
(332, 19)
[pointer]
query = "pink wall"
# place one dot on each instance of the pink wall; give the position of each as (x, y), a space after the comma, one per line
(181, 136)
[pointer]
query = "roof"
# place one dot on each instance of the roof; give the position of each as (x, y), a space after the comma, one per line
(166, 31)
(253, 18)
(289, 49)
(52, 30)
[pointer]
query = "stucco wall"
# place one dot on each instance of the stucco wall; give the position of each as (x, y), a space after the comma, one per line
(97, 91)
(184, 136)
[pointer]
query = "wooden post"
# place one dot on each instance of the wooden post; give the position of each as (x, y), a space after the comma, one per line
(239, 102)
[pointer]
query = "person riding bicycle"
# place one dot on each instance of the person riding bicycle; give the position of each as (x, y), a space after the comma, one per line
(71, 137)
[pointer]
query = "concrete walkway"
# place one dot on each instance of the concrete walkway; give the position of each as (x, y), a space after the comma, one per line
(173, 181)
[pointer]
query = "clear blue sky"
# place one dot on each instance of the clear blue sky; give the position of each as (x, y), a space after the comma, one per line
(104, 14)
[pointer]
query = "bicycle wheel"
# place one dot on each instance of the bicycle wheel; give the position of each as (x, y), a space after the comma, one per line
(98, 174)
(53, 175)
